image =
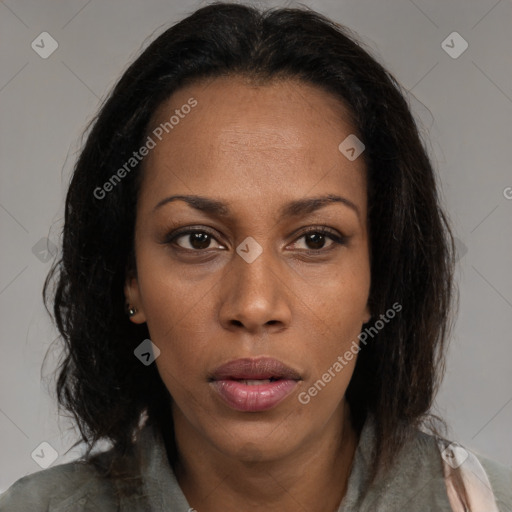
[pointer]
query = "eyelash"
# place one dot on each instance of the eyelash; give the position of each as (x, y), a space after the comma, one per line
(322, 230)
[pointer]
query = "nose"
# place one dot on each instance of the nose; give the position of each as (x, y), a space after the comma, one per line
(254, 296)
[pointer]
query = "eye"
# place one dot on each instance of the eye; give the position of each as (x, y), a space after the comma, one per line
(193, 240)
(200, 239)
(315, 239)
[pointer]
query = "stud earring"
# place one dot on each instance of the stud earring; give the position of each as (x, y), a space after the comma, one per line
(131, 310)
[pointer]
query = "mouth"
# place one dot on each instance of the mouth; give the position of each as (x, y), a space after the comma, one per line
(254, 385)
(257, 382)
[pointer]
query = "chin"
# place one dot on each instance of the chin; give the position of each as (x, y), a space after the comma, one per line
(252, 452)
(253, 443)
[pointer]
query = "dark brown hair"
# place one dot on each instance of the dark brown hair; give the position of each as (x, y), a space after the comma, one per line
(100, 382)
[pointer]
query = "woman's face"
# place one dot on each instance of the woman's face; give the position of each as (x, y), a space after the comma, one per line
(258, 284)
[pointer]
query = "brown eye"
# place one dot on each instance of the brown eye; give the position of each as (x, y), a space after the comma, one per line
(193, 240)
(315, 241)
(199, 240)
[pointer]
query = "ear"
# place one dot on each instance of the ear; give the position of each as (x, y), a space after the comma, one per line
(133, 298)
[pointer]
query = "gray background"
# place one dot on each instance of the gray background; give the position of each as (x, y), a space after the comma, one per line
(464, 104)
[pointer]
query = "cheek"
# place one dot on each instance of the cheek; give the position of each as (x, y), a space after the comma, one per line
(176, 315)
(331, 352)
(168, 294)
(335, 302)
(335, 316)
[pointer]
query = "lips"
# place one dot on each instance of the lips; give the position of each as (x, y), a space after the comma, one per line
(253, 385)
(258, 369)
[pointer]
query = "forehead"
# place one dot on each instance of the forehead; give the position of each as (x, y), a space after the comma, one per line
(275, 139)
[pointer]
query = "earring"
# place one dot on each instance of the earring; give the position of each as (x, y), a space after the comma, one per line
(131, 310)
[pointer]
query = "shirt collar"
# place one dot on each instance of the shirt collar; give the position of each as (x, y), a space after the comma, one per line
(415, 472)
(160, 486)
(164, 493)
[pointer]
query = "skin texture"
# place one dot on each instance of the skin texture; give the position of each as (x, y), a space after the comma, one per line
(255, 148)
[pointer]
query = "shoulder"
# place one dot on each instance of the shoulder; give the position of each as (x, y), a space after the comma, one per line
(414, 481)
(500, 478)
(485, 480)
(417, 477)
(61, 488)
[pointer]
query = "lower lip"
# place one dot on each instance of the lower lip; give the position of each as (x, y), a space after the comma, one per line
(253, 398)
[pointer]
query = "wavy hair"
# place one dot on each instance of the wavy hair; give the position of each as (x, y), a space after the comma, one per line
(100, 382)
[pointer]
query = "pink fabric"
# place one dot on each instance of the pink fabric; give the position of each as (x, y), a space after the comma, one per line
(462, 466)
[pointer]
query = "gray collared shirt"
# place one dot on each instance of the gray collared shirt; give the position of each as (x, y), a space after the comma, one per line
(414, 484)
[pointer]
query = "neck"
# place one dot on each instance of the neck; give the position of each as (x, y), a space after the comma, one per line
(314, 477)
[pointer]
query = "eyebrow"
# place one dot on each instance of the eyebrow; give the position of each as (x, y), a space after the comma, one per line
(292, 209)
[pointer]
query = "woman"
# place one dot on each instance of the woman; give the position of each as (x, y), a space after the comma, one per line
(255, 288)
